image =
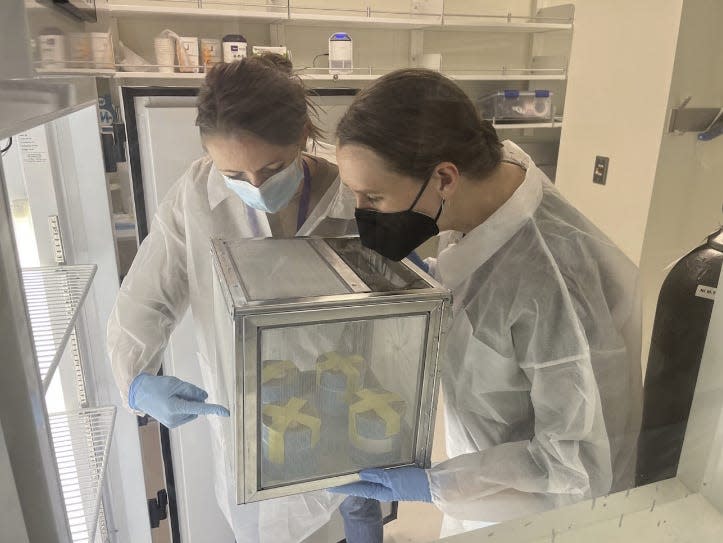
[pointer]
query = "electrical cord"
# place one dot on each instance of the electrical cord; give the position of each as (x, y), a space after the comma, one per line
(7, 148)
(313, 62)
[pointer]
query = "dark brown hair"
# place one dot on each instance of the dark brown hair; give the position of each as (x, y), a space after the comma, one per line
(415, 119)
(258, 95)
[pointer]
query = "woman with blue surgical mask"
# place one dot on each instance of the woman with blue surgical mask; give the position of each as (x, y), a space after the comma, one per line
(541, 369)
(276, 191)
(256, 181)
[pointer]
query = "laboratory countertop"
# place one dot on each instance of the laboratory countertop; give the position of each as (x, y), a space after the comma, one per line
(664, 512)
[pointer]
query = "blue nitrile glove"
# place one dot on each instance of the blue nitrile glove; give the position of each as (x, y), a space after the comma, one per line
(407, 484)
(414, 257)
(169, 400)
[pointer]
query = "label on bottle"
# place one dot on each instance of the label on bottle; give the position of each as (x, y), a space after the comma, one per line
(233, 51)
(706, 292)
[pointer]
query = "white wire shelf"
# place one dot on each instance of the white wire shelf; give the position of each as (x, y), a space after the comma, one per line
(81, 440)
(54, 296)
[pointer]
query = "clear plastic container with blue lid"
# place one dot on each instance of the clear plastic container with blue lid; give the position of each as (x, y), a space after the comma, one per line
(510, 106)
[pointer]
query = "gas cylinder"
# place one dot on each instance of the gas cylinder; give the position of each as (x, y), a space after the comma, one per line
(679, 334)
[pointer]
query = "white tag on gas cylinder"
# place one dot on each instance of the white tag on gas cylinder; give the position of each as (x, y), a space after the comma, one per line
(706, 292)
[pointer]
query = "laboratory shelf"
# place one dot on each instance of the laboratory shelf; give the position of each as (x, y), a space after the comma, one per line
(54, 295)
(81, 440)
(557, 123)
(362, 74)
(358, 74)
(76, 71)
(339, 77)
(509, 74)
(158, 75)
(117, 74)
(306, 16)
(493, 23)
(270, 15)
(391, 21)
(492, 74)
(459, 23)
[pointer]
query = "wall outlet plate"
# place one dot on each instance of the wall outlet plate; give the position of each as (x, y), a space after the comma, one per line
(600, 173)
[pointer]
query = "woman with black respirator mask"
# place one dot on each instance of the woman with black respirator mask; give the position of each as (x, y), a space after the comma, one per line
(541, 370)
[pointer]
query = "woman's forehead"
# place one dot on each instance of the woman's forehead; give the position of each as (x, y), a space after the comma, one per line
(245, 153)
(363, 170)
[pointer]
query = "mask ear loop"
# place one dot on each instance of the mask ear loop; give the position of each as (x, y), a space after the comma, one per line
(419, 195)
(439, 213)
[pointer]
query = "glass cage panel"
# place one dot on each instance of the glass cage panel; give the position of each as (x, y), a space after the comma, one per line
(338, 397)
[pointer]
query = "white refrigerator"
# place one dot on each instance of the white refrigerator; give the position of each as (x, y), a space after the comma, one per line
(70, 458)
(72, 464)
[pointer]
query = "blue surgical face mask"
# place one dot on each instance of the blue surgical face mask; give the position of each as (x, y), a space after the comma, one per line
(274, 193)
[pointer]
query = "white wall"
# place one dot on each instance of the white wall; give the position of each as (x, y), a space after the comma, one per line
(620, 70)
(688, 192)
(628, 69)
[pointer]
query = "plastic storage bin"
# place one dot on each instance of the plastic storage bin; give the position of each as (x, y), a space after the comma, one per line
(513, 106)
(329, 356)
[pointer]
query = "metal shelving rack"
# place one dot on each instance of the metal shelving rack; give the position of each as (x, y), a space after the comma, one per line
(81, 440)
(54, 295)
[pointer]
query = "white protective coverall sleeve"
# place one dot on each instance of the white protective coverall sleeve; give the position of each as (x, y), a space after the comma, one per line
(549, 470)
(154, 292)
(541, 367)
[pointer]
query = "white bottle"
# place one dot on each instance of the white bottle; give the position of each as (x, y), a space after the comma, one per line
(340, 54)
(52, 49)
(234, 47)
(188, 54)
(102, 50)
(165, 54)
(211, 52)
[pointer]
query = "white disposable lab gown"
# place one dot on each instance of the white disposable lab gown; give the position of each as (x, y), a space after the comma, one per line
(541, 374)
(172, 270)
